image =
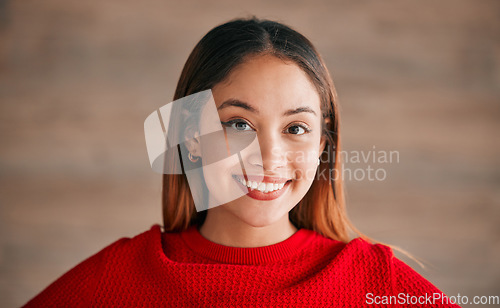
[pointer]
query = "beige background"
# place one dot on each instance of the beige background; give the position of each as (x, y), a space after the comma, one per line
(78, 79)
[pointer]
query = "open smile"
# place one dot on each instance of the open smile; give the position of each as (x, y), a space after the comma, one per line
(262, 188)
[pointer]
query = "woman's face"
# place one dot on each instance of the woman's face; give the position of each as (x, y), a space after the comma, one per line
(276, 101)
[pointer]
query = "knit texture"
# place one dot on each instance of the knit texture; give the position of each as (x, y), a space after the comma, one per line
(156, 269)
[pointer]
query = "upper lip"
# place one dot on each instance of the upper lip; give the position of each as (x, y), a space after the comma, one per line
(265, 178)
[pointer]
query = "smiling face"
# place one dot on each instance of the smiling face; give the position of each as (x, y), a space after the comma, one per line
(276, 101)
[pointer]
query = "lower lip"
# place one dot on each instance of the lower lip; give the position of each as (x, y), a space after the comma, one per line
(259, 195)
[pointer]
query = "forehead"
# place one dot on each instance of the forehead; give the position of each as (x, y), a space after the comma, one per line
(266, 81)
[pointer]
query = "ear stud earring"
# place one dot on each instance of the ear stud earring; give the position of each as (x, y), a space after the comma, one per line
(192, 158)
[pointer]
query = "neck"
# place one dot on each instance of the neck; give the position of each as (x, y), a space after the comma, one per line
(235, 233)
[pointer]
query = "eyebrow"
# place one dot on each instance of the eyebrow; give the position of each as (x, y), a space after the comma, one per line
(237, 103)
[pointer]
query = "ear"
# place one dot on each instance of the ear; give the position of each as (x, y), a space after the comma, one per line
(192, 141)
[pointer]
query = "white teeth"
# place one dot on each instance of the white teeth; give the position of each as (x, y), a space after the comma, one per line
(263, 187)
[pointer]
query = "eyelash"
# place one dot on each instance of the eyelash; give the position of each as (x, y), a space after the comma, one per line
(231, 122)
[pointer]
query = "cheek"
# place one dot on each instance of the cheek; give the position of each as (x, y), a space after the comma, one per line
(219, 182)
(304, 163)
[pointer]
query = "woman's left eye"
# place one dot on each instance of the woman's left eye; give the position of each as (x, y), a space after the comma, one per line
(297, 130)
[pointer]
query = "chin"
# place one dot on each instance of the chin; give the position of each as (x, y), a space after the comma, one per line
(260, 220)
(261, 223)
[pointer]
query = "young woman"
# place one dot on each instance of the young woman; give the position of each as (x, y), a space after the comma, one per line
(257, 216)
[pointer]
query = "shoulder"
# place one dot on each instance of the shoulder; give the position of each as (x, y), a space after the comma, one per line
(362, 251)
(144, 248)
(77, 286)
(128, 246)
(363, 263)
(375, 257)
(354, 256)
(384, 268)
(356, 251)
(122, 249)
(146, 239)
(356, 267)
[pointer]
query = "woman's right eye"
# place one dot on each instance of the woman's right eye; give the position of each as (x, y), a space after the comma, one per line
(238, 125)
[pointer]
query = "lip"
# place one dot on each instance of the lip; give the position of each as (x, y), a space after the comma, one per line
(258, 195)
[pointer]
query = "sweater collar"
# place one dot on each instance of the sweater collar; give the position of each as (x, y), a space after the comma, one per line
(238, 255)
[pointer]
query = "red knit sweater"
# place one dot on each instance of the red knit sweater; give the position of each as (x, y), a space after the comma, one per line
(156, 269)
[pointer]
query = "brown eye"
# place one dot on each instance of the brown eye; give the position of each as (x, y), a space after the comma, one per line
(240, 125)
(297, 130)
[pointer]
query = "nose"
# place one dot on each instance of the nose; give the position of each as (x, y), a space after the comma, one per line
(272, 154)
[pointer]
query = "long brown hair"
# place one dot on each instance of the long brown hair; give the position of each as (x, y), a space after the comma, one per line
(223, 48)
